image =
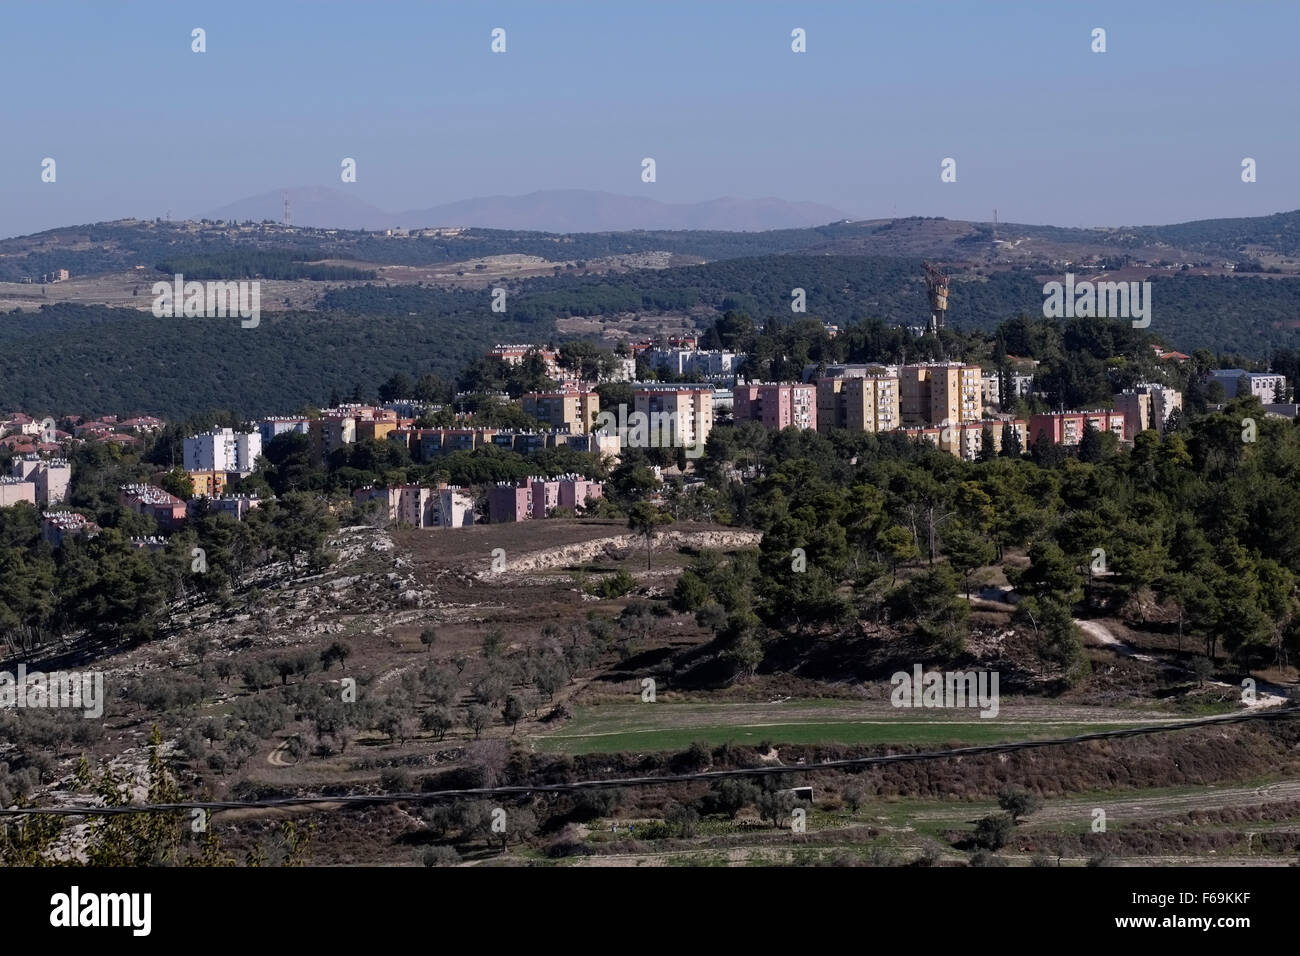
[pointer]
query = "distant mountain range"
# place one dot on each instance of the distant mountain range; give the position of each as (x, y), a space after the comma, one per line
(550, 210)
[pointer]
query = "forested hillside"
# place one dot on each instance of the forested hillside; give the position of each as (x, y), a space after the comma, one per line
(97, 360)
(1250, 316)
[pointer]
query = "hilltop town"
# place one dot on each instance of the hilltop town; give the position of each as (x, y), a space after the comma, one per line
(955, 406)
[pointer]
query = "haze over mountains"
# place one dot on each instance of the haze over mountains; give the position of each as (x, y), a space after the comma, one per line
(550, 210)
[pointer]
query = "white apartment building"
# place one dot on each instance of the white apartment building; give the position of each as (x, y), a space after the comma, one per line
(1268, 387)
(269, 428)
(223, 449)
(1147, 405)
(447, 506)
(700, 362)
(1020, 384)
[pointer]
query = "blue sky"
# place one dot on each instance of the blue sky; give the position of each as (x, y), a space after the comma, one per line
(1152, 131)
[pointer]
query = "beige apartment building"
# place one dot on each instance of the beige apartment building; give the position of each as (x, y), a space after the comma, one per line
(939, 393)
(571, 408)
(861, 403)
(685, 409)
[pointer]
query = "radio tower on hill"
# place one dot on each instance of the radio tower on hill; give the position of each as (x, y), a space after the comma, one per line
(288, 216)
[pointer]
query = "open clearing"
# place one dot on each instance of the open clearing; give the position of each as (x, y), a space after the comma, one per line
(662, 726)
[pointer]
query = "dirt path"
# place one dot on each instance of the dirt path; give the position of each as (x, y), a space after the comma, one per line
(1099, 631)
(1136, 807)
(276, 758)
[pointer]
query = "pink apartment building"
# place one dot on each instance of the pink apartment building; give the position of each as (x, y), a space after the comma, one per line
(776, 406)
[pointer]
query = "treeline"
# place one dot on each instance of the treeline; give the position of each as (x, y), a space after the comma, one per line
(116, 247)
(109, 247)
(1279, 233)
(262, 264)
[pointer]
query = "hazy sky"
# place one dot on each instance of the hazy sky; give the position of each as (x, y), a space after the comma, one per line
(1152, 131)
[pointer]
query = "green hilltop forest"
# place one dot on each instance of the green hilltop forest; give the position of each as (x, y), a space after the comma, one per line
(96, 359)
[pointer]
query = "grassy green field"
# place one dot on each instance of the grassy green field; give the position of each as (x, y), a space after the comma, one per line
(674, 727)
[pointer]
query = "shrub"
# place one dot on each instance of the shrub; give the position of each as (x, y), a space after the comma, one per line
(992, 832)
(439, 856)
(396, 780)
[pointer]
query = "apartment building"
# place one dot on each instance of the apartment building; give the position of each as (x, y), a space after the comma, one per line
(624, 370)
(776, 406)
(702, 363)
(232, 506)
(347, 424)
(507, 502)
(440, 441)
(515, 355)
(403, 504)
(523, 441)
(166, 509)
(1020, 384)
(223, 449)
(1268, 387)
(49, 476)
(15, 490)
(376, 426)
(1147, 406)
(411, 407)
(576, 492)
(991, 389)
(938, 393)
(453, 507)
(602, 444)
(849, 370)
(573, 409)
(678, 415)
(270, 428)
(208, 484)
(1067, 428)
(966, 439)
(331, 432)
(58, 526)
(858, 403)
(972, 435)
(446, 506)
(426, 444)
(538, 497)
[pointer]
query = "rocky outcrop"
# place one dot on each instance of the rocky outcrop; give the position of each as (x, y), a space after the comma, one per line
(623, 545)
